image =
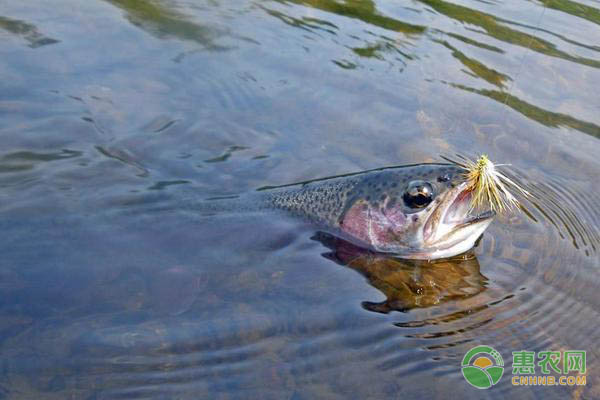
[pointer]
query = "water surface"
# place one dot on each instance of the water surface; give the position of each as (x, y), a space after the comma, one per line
(111, 107)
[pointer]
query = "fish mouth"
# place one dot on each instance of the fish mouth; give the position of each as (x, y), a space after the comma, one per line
(453, 226)
(479, 217)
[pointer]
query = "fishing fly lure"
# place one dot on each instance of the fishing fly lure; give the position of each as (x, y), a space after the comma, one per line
(490, 187)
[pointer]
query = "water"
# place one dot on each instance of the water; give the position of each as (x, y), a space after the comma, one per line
(111, 107)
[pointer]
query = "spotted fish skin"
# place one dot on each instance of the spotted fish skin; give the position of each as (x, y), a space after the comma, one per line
(418, 211)
(326, 202)
(319, 202)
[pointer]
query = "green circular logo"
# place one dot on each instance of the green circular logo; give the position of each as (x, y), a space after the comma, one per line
(482, 367)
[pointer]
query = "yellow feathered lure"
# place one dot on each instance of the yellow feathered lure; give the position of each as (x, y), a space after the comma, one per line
(490, 187)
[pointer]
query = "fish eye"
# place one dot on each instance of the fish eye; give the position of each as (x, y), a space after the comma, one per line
(418, 194)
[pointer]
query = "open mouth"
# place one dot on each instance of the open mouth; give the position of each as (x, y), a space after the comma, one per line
(459, 211)
(453, 220)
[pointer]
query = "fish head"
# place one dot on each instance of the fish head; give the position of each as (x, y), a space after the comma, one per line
(417, 212)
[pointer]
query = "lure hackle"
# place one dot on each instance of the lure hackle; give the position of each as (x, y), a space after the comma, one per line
(490, 187)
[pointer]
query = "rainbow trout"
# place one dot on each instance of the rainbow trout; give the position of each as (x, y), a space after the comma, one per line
(418, 211)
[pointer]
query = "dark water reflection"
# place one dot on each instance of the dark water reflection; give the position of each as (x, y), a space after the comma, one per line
(26, 31)
(408, 284)
(112, 110)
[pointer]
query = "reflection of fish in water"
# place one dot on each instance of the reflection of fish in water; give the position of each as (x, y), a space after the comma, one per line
(408, 284)
(418, 211)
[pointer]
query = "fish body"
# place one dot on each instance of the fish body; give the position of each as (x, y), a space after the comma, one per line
(418, 211)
